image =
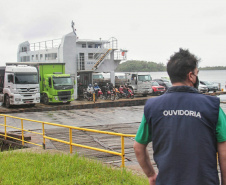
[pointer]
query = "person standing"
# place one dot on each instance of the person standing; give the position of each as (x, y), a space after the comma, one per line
(186, 129)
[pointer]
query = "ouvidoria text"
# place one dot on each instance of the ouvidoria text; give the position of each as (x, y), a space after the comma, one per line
(181, 113)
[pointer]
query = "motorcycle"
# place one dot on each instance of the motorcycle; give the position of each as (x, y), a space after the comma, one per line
(109, 94)
(129, 93)
(116, 93)
(98, 93)
(87, 95)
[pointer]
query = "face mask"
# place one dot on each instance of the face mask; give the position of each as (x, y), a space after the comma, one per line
(196, 84)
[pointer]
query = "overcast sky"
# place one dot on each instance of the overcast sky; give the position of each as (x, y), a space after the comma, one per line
(150, 30)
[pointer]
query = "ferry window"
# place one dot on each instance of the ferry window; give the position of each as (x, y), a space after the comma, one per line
(81, 61)
(32, 57)
(83, 45)
(36, 57)
(25, 58)
(54, 56)
(90, 46)
(51, 56)
(41, 56)
(24, 49)
(90, 55)
(97, 46)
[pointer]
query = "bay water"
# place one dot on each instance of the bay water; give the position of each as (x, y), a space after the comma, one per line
(217, 76)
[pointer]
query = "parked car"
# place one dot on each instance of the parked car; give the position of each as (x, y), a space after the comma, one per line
(165, 83)
(202, 88)
(211, 86)
(157, 89)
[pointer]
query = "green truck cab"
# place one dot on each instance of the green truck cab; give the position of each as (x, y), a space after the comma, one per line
(55, 86)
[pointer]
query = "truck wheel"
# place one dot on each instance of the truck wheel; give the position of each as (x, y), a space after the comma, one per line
(7, 101)
(45, 99)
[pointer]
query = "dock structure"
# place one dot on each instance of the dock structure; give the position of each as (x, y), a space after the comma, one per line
(84, 104)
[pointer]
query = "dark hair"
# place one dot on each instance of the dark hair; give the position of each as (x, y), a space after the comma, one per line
(180, 64)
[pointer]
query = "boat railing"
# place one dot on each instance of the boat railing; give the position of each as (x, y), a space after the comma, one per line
(48, 44)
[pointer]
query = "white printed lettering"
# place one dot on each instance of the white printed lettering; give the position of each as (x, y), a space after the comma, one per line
(182, 113)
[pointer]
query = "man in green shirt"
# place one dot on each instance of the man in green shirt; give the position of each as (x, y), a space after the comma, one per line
(186, 129)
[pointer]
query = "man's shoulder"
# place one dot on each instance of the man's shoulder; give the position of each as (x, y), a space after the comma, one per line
(209, 97)
(155, 99)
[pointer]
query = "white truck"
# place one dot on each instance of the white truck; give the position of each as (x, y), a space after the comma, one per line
(140, 82)
(19, 85)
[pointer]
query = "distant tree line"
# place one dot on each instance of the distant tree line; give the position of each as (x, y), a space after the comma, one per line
(145, 66)
(141, 66)
(213, 68)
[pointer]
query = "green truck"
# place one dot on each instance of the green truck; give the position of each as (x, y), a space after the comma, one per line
(55, 85)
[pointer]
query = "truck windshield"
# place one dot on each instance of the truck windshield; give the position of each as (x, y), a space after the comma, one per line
(98, 77)
(62, 83)
(144, 78)
(26, 78)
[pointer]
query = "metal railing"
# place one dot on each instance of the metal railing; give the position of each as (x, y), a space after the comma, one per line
(48, 44)
(70, 143)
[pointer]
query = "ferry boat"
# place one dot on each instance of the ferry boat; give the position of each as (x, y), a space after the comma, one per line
(82, 57)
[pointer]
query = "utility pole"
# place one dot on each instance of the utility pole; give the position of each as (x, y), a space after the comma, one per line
(75, 72)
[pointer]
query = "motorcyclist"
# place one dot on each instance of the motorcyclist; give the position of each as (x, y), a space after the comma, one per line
(107, 88)
(121, 89)
(111, 86)
(125, 89)
(90, 90)
(96, 89)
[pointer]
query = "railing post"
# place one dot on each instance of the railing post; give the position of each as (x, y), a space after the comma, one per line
(43, 135)
(70, 135)
(94, 97)
(5, 127)
(123, 151)
(22, 131)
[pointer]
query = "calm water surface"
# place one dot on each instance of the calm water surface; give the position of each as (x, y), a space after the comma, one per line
(218, 76)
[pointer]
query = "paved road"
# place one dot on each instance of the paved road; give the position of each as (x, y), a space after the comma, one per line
(80, 117)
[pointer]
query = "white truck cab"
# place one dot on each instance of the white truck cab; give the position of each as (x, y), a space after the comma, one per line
(140, 82)
(19, 85)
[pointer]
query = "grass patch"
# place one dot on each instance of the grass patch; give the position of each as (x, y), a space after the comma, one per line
(27, 168)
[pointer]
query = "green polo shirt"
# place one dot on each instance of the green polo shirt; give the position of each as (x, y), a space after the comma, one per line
(143, 135)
